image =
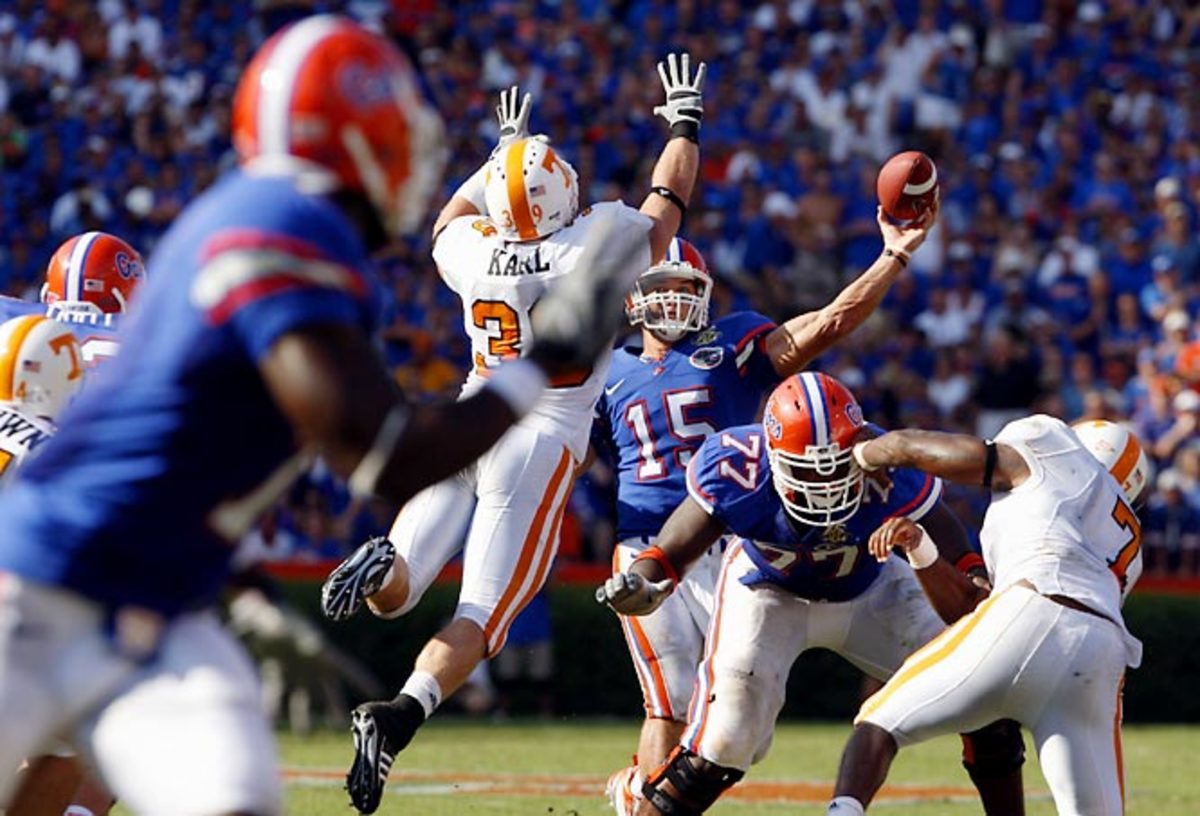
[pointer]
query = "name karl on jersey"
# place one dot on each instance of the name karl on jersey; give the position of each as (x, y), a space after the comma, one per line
(507, 264)
(15, 426)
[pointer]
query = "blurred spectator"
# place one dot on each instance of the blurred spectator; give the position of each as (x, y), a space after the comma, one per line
(1008, 383)
(1172, 529)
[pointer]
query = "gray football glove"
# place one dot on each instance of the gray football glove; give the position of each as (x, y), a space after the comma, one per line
(628, 593)
(577, 319)
(514, 121)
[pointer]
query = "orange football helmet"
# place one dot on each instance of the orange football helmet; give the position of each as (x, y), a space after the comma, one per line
(338, 107)
(94, 272)
(812, 422)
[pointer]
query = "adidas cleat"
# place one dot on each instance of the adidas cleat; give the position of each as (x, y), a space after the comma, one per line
(379, 734)
(356, 578)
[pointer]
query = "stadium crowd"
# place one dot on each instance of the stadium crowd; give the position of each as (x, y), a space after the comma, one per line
(1064, 275)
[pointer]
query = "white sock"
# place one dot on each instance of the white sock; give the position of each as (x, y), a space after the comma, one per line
(424, 688)
(845, 806)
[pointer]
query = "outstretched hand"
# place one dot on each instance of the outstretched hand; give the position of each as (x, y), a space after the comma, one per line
(908, 237)
(513, 120)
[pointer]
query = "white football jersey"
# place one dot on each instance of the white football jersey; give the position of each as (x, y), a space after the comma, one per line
(500, 282)
(20, 433)
(1067, 529)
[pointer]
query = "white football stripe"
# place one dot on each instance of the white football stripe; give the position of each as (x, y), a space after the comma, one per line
(922, 188)
(74, 287)
(820, 423)
(278, 81)
(236, 267)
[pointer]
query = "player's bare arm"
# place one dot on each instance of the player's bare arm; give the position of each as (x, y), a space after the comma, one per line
(687, 535)
(957, 457)
(951, 592)
(674, 174)
(803, 338)
(330, 384)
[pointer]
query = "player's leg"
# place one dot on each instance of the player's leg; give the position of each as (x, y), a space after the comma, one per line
(521, 494)
(666, 647)
(200, 695)
(1075, 681)
(959, 681)
(55, 663)
(889, 622)
(755, 636)
(391, 574)
(45, 786)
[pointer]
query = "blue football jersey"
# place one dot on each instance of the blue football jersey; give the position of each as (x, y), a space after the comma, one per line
(654, 414)
(96, 332)
(731, 479)
(170, 455)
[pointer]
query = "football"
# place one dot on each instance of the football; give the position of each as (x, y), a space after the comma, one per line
(907, 185)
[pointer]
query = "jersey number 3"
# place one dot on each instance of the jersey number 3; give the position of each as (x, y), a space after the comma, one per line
(503, 327)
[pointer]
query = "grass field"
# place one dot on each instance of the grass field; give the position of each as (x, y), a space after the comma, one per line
(559, 769)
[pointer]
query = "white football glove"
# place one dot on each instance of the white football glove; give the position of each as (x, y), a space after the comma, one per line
(685, 105)
(514, 121)
(628, 593)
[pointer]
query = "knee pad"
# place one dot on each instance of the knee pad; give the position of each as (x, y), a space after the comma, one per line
(687, 785)
(994, 750)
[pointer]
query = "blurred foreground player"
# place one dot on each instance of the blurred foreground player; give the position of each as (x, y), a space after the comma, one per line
(248, 353)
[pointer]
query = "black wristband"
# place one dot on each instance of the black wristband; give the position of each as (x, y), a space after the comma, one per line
(989, 463)
(687, 129)
(672, 196)
(899, 256)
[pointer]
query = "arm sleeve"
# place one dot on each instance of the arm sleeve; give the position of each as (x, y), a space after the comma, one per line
(750, 350)
(264, 285)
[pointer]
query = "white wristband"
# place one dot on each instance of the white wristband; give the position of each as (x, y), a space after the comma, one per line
(520, 383)
(474, 189)
(858, 457)
(924, 553)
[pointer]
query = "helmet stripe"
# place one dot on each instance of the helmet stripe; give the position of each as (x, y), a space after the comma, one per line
(278, 80)
(816, 407)
(77, 265)
(518, 198)
(12, 350)
(1127, 460)
(674, 251)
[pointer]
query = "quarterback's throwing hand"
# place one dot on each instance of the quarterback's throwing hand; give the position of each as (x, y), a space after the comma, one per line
(628, 593)
(514, 120)
(685, 104)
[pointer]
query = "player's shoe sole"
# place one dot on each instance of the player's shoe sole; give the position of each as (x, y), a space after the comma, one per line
(377, 740)
(359, 576)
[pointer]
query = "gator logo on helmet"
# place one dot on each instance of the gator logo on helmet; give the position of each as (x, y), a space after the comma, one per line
(128, 266)
(773, 425)
(854, 413)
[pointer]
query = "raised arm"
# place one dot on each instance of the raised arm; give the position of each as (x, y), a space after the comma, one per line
(674, 174)
(468, 199)
(956, 457)
(805, 337)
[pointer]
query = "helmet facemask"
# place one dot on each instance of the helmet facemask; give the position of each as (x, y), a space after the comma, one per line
(670, 313)
(821, 487)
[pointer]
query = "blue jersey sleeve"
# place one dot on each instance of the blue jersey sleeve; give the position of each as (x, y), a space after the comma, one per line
(913, 494)
(728, 476)
(263, 284)
(747, 333)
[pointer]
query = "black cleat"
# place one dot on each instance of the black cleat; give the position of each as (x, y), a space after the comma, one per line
(360, 575)
(380, 732)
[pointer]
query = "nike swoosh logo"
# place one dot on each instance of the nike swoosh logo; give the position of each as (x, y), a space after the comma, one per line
(612, 389)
